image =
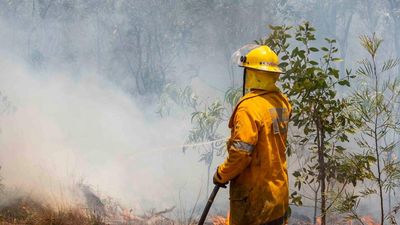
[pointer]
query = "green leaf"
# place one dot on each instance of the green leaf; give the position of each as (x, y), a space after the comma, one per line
(337, 60)
(390, 64)
(283, 64)
(325, 49)
(344, 82)
(296, 174)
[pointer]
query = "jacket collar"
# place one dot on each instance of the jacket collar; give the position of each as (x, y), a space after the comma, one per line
(251, 94)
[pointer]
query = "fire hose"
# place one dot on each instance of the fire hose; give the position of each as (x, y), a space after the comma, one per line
(208, 205)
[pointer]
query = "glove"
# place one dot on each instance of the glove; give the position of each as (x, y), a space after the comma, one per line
(216, 180)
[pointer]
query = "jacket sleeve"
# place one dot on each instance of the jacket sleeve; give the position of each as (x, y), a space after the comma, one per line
(240, 146)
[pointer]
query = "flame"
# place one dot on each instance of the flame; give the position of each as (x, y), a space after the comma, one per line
(128, 216)
(220, 220)
(369, 220)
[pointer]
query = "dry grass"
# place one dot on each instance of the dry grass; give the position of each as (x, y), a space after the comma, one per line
(25, 211)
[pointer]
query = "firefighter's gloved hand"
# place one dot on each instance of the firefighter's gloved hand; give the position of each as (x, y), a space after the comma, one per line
(217, 180)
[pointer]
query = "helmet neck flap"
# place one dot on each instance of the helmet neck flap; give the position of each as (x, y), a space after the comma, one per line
(261, 80)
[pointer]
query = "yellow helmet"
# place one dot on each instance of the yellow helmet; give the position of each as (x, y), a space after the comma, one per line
(260, 57)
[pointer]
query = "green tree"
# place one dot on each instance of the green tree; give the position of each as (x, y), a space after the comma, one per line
(206, 120)
(319, 114)
(205, 128)
(376, 102)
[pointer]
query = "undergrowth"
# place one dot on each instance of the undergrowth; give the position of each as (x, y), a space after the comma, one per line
(26, 211)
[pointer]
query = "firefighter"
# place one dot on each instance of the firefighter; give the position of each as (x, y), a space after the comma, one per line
(256, 164)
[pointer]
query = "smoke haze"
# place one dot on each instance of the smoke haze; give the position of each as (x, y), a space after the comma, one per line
(65, 130)
(86, 76)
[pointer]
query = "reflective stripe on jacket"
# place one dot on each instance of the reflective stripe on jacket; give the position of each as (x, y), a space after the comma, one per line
(256, 163)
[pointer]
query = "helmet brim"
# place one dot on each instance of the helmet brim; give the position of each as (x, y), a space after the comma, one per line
(272, 69)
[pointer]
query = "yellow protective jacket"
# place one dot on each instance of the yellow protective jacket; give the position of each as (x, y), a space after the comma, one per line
(256, 164)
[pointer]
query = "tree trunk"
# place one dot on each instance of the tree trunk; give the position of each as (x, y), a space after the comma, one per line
(322, 170)
(376, 140)
(323, 187)
(315, 207)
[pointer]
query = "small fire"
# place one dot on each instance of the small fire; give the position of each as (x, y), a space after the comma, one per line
(369, 220)
(220, 220)
(127, 215)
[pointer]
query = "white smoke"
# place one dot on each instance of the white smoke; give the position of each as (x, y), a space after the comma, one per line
(66, 129)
